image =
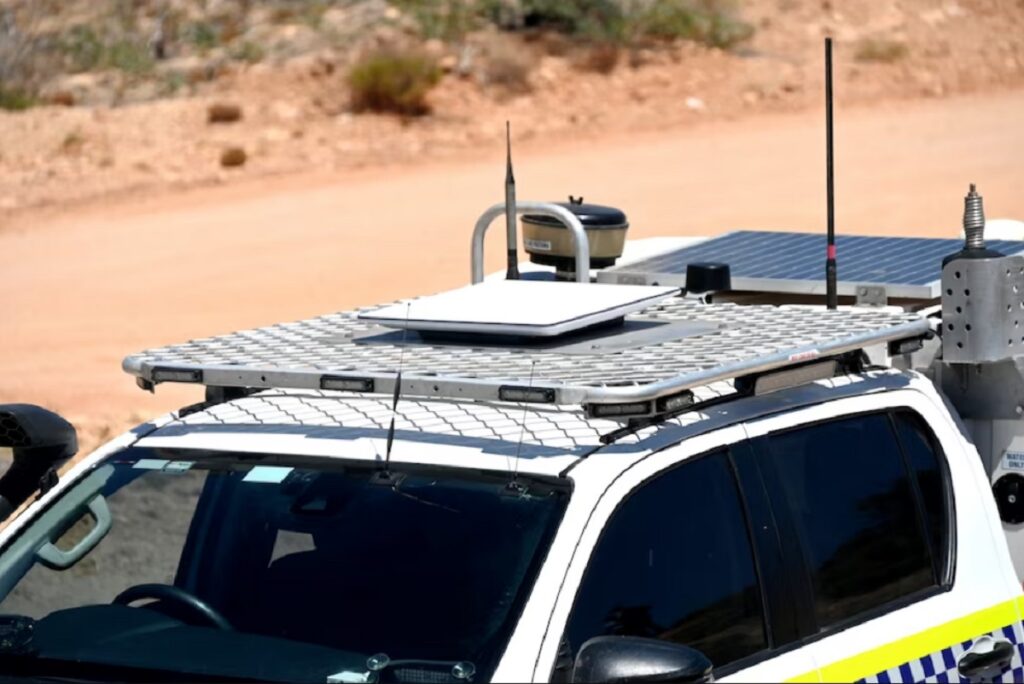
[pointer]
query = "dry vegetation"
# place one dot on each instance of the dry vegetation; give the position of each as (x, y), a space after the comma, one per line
(880, 50)
(129, 83)
(393, 80)
(141, 50)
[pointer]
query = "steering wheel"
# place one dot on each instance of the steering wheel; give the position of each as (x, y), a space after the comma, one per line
(166, 592)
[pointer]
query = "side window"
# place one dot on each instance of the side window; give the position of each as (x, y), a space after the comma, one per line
(856, 514)
(925, 458)
(675, 563)
(150, 522)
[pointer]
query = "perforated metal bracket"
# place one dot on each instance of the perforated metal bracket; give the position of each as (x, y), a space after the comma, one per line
(982, 309)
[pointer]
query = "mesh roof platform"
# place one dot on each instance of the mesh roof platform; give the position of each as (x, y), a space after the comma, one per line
(666, 348)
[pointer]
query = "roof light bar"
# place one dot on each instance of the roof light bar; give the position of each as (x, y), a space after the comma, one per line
(642, 409)
(624, 410)
(535, 395)
(344, 384)
(790, 377)
(676, 402)
(190, 375)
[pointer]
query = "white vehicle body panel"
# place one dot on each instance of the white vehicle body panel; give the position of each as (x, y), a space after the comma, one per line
(486, 436)
(593, 508)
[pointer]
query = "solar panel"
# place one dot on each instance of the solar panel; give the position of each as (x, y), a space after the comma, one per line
(794, 263)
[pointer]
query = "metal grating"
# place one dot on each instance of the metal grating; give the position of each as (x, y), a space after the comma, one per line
(556, 428)
(795, 263)
(743, 339)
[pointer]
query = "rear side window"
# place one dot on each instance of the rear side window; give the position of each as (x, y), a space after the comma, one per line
(927, 463)
(675, 563)
(856, 513)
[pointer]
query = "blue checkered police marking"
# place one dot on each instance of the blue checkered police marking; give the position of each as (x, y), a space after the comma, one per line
(941, 666)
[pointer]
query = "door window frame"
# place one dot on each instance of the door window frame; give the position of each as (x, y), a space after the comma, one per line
(785, 589)
(797, 565)
(758, 545)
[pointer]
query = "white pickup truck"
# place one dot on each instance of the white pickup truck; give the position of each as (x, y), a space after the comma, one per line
(532, 480)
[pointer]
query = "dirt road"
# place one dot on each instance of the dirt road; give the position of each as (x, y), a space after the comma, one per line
(83, 287)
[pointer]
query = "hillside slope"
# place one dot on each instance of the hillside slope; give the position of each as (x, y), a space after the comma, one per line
(130, 131)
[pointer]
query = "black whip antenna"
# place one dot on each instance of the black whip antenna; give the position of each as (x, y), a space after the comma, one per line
(386, 473)
(831, 290)
(510, 209)
(513, 484)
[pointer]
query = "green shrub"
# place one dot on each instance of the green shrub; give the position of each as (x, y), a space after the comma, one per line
(880, 50)
(393, 81)
(726, 31)
(248, 51)
(594, 19)
(312, 14)
(448, 20)
(129, 56)
(709, 22)
(15, 99)
(203, 35)
(87, 51)
(173, 82)
(83, 48)
(308, 12)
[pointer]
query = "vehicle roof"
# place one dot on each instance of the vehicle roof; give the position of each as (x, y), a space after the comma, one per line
(468, 434)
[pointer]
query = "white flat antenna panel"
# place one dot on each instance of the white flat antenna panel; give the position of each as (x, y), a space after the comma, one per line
(528, 308)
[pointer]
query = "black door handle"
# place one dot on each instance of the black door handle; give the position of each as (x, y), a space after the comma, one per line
(974, 664)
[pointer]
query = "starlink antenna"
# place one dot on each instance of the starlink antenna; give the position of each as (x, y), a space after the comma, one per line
(510, 209)
(831, 291)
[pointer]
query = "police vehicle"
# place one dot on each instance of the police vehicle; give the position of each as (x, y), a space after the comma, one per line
(657, 460)
(661, 470)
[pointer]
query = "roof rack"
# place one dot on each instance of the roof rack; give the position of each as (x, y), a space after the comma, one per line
(646, 366)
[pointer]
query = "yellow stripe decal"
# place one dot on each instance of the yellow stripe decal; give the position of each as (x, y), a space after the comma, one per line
(813, 676)
(918, 645)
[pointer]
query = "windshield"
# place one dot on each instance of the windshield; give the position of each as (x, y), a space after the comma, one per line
(274, 568)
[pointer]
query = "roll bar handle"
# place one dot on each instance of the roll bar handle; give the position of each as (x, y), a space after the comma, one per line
(570, 220)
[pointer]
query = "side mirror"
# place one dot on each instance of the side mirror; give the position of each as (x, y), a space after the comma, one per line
(41, 442)
(632, 659)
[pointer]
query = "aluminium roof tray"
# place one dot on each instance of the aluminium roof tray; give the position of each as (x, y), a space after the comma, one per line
(340, 351)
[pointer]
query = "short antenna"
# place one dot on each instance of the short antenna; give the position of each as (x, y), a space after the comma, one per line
(510, 209)
(513, 484)
(394, 400)
(831, 290)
